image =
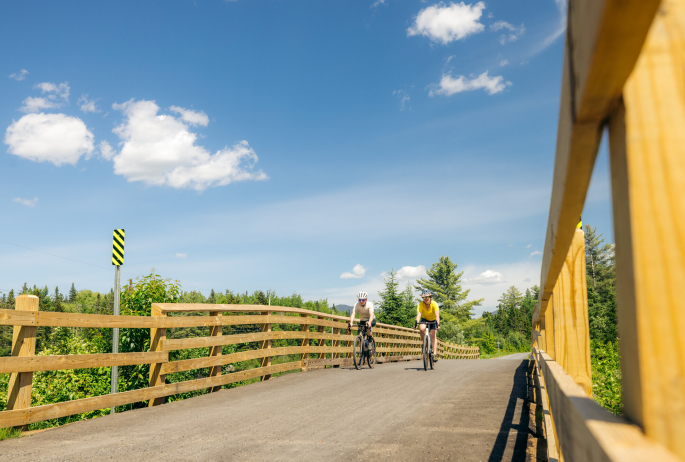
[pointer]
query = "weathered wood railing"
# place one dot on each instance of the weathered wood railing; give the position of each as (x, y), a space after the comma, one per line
(332, 346)
(623, 69)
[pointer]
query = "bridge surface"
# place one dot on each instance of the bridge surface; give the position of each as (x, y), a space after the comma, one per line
(462, 410)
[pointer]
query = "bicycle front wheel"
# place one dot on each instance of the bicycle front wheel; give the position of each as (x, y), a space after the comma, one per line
(372, 353)
(357, 352)
(426, 351)
(430, 357)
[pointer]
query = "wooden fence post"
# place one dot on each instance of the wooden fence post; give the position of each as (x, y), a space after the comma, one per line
(648, 183)
(215, 331)
(157, 338)
(305, 342)
(336, 344)
(23, 344)
(548, 326)
(571, 323)
(266, 345)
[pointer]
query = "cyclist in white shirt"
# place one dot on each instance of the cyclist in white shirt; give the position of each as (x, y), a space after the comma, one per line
(365, 310)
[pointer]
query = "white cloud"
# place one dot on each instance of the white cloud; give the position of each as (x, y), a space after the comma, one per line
(404, 98)
(529, 246)
(87, 105)
(56, 138)
(26, 202)
(161, 150)
(448, 85)
(514, 32)
(357, 272)
(411, 272)
(526, 280)
(446, 24)
(37, 104)
(486, 278)
(106, 150)
(504, 62)
(537, 252)
(191, 117)
(55, 90)
(378, 3)
(559, 27)
(18, 76)
(181, 255)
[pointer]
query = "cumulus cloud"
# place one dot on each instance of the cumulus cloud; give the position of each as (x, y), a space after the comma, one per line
(106, 150)
(159, 149)
(37, 104)
(56, 138)
(55, 90)
(87, 105)
(19, 76)
(357, 272)
(448, 85)
(486, 278)
(513, 34)
(445, 24)
(26, 202)
(411, 272)
(190, 116)
(537, 252)
(181, 255)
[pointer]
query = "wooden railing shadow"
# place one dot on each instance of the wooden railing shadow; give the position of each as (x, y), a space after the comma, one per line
(623, 70)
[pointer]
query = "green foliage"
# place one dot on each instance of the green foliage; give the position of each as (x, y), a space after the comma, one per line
(451, 332)
(606, 375)
(9, 433)
(444, 282)
(398, 308)
(599, 260)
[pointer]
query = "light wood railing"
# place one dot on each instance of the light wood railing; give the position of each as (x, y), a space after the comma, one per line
(328, 345)
(624, 66)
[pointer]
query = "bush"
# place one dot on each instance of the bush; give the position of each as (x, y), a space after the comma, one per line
(606, 376)
(452, 333)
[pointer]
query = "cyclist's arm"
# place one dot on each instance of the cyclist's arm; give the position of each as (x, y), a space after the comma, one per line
(354, 309)
(371, 316)
(437, 315)
(418, 314)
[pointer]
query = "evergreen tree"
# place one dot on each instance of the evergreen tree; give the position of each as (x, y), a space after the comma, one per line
(395, 307)
(444, 283)
(72, 293)
(57, 302)
(600, 270)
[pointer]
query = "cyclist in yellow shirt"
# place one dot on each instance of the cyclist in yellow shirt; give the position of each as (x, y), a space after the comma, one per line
(428, 315)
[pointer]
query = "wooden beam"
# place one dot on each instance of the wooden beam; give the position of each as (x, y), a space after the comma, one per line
(586, 431)
(604, 39)
(157, 339)
(648, 183)
(204, 342)
(305, 342)
(23, 345)
(571, 322)
(215, 351)
(266, 345)
(63, 362)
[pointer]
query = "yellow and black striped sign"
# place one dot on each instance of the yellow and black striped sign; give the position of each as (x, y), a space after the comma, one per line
(118, 247)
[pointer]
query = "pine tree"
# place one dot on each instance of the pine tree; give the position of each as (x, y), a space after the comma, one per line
(395, 307)
(72, 293)
(444, 283)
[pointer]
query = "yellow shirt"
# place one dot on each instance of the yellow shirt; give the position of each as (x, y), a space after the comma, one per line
(428, 313)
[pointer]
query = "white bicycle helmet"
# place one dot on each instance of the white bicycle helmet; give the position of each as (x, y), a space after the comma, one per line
(362, 295)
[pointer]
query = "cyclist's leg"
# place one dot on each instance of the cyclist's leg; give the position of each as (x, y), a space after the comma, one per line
(434, 343)
(422, 331)
(370, 327)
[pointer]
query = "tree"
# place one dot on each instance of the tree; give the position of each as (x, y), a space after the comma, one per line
(72, 293)
(444, 283)
(600, 270)
(395, 307)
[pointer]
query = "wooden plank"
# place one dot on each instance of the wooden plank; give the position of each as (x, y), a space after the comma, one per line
(63, 362)
(571, 321)
(586, 431)
(648, 183)
(17, 318)
(57, 410)
(204, 342)
(550, 434)
(305, 342)
(215, 351)
(187, 307)
(157, 340)
(266, 344)
(23, 345)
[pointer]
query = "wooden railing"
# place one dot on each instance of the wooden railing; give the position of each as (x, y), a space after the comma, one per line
(328, 345)
(623, 69)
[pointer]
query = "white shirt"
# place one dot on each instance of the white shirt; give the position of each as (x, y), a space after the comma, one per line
(364, 311)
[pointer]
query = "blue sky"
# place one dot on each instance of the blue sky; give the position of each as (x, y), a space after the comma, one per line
(305, 146)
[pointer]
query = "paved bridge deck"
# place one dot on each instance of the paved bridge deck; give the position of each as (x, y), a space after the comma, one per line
(463, 410)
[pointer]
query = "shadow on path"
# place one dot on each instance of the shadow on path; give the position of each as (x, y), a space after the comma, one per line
(515, 411)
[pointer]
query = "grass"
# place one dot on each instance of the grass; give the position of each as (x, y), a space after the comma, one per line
(9, 433)
(501, 353)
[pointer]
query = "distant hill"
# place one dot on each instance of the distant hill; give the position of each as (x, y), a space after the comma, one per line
(346, 308)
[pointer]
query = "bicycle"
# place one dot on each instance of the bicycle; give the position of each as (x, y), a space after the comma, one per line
(363, 349)
(427, 348)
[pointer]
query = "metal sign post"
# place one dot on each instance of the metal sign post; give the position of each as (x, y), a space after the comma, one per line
(117, 261)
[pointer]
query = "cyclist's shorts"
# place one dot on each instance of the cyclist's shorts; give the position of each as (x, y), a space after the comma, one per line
(429, 324)
(364, 323)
